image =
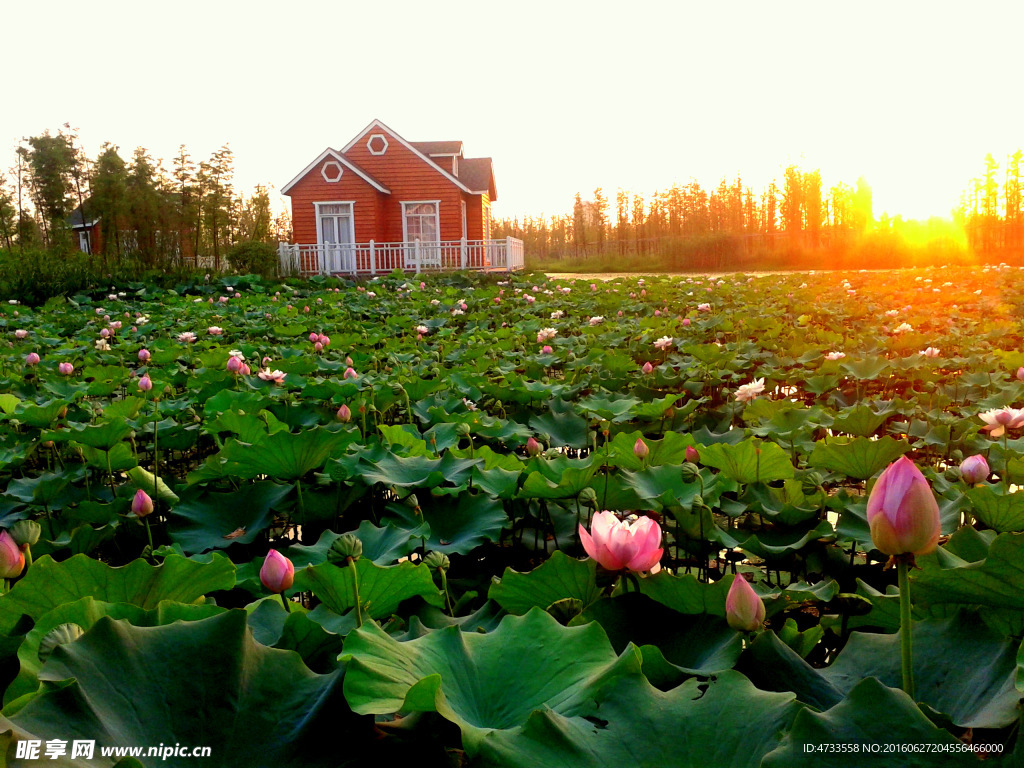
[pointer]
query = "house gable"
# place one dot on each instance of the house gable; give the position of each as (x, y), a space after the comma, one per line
(330, 156)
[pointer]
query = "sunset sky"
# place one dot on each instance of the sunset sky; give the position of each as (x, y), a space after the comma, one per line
(565, 96)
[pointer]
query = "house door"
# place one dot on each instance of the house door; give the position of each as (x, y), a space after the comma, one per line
(422, 228)
(337, 246)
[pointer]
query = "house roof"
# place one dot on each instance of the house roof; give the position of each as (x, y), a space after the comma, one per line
(334, 155)
(431, 148)
(76, 220)
(477, 174)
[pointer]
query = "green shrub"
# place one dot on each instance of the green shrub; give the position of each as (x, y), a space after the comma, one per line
(253, 258)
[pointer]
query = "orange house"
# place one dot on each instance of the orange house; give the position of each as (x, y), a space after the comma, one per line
(383, 203)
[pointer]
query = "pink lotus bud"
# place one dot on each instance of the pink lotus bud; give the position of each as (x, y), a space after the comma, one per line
(142, 504)
(145, 383)
(648, 368)
(348, 362)
(533, 447)
(12, 559)
(238, 295)
(686, 321)
(902, 511)
(593, 287)
(244, 370)
(1020, 372)
(31, 359)
(223, 299)
(497, 300)
(546, 349)
(323, 339)
(657, 313)
(344, 414)
(744, 610)
(618, 545)
(620, 313)
(692, 455)
(105, 333)
(21, 334)
(463, 306)
(318, 347)
(313, 337)
(974, 469)
(305, 309)
(643, 291)
(277, 573)
(144, 355)
(350, 373)
(65, 369)
(234, 365)
(422, 285)
(640, 449)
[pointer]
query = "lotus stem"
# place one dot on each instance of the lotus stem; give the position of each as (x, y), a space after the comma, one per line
(284, 602)
(906, 650)
(355, 590)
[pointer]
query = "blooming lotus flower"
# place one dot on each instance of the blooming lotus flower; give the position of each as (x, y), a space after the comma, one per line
(596, 320)
(557, 314)
(277, 573)
(903, 328)
(145, 383)
(215, 330)
(344, 414)
(422, 330)
(640, 449)
(1001, 419)
(835, 355)
(930, 352)
(20, 333)
(747, 392)
(618, 545)
(974, 469)
(902, 511)
(275, 376)
(12, 559)
(704, 307)
(663, 343)
(546, 334)
(32, 358)
(187, 337)
(744, 609)
(142, 504)
(102, 345)
(65, 369)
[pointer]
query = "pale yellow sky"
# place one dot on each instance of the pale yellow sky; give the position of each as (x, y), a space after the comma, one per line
(565, 96)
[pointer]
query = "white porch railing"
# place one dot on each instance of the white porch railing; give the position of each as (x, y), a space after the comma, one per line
(380, 258)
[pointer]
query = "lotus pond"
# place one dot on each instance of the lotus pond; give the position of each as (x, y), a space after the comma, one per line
(468, 432)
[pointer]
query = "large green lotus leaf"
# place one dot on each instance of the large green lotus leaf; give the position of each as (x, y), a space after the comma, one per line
(497, 482)
(100, 436)
(559, 478)
(284, 456)
(564, 428)
(47, 489)
(294, 631)
(218, 520)
(86, 612)
(381, 588)
(484, 682)
(406, 438)
(252, 705)
(868, 368)
(859, 457)
(860, 421)
(40, 415)
(459, 528)
(872, 715)
(416, 471)
(610, 408)
(673, 645)
(975, 692)
(557, 578)
(722, 722)
(48, 584)
(664, 484)
(773, 541)
(1000, 511)
(997, 581)
(670, 449)
(751, 461)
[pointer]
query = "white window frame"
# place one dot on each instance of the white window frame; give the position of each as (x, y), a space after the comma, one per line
(465, 228)
(351, 214)
(342, 257)
(405, 221)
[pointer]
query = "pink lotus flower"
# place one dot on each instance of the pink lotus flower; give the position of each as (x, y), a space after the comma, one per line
(686, 321)
(902, 511)
(65, 369)
(20, 333)
(344, 414)
(142, 504)
(704, 307)
(692, 455)
(744, 610)
(647, 368)
(277, 573)
(145, 383)
(835, 355)
(640, 449)
(930, 352)
(314, 337)
(234, 365)
(144, 355)
(747, 392)
(187, 337)
(215, 330)
(1020, 373)
(533, 447)
(974, 469)
(12, 559)
(618, 545)
(32, 358)
(350, 373)
(546, 349)
(665, 342)
(275, 376)
(546, 334)
(244, 370)
(324, 339)
(1001, 419)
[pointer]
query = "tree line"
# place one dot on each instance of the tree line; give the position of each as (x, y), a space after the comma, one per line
(799, 211)
(145, 212)
(991, 208)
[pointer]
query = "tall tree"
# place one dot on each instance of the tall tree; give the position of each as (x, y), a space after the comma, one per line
(51, 161)
(579, 226)
(792, 202)
(600, 217)
(109, 201)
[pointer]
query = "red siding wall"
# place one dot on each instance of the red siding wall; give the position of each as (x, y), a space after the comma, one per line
(368, 203)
